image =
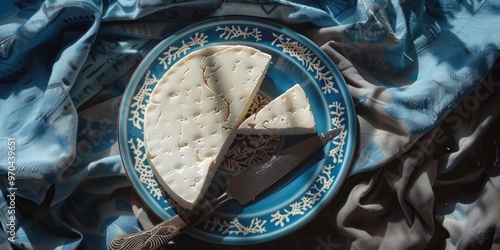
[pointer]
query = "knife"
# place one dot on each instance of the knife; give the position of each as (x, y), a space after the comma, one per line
(243, 187)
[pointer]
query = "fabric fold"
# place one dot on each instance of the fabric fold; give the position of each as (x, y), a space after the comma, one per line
(422, 75)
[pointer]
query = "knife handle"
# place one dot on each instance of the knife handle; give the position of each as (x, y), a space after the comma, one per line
(165, 231)
(152, 238)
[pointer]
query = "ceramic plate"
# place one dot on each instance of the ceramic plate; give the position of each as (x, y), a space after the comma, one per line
(292, 202)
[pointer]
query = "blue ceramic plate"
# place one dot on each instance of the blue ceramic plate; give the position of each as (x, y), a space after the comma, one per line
(292, 202)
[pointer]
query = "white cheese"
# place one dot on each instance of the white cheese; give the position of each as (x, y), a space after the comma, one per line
(290, 113)
(193, 114)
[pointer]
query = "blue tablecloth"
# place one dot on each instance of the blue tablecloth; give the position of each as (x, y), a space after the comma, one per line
(423, 76)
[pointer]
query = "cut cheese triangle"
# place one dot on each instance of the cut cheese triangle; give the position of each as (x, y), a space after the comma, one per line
(288, 114)
(193, 115)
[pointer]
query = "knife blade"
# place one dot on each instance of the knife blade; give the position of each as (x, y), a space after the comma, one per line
(243, 187)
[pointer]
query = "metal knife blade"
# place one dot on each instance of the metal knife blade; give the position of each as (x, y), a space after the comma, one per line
(262, 175)
(243, 187)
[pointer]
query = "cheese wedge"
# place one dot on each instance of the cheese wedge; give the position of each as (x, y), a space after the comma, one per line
(193, 115)
(288, 114)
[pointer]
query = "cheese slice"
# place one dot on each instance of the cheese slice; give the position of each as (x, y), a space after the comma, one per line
(290, 113)
(193, 115)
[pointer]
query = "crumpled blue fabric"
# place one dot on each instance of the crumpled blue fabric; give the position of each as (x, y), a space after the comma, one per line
(65, 64)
